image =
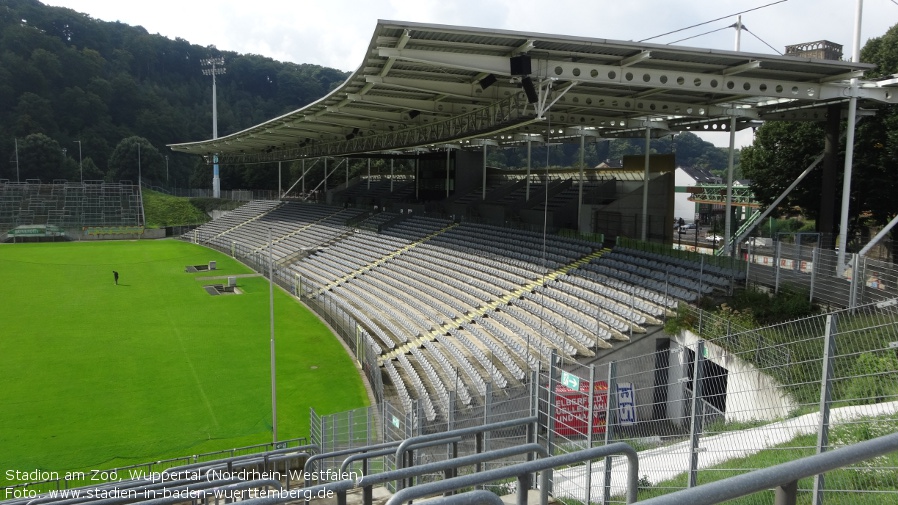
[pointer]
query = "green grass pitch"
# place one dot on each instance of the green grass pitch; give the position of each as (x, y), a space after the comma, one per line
(94, 375)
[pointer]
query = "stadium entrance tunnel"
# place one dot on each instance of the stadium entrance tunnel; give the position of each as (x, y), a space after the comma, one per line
(223, 289)
(192, 269)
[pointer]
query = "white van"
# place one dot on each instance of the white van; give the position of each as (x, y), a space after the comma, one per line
(758, 242)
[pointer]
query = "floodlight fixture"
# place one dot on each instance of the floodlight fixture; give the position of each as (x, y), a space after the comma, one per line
(215, 67)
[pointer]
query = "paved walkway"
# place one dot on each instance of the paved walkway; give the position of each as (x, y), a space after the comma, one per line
(664, 463)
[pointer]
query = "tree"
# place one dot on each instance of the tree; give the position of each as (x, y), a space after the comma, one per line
(781, 151)
(876, 148)
(133, 155)
(41, 157)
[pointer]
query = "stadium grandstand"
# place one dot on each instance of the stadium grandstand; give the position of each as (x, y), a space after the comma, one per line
(511, 323)
(33, 210)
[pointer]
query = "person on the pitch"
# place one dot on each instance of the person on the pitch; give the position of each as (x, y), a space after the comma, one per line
(115, 276)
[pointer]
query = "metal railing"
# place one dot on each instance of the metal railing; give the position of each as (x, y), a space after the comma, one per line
(522, 471)
(784, 478)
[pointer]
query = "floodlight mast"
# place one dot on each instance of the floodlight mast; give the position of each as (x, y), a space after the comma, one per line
(216, 67)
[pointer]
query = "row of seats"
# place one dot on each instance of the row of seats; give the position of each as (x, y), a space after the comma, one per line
(545, 309)
(357, 291)
(648, 273)
(608, 297)
(438, 385)
(618, 271)
(598, 322)
(234, 218)
(510, 343)
(526, 264)
(654, 269)
(361, 317)
(485, 362)
(568, 246)
(430, 412)
(498, 351)
(399, 334)
(399, 384)
(473, 375)
(614, 315)
(649, 290)
(555, 337)
(449, 370)
(70, 204)
(688, 265)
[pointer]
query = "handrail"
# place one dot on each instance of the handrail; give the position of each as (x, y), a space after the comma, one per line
(344, 452)
(234, 459)
(363, 456)
(476, 497)
(367, 482)
(403, 447)
(784, 477)
(523, 470)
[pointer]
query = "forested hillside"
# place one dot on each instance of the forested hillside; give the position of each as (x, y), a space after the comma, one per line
(66, 77)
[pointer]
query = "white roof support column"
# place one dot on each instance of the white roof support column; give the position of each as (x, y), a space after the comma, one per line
(369, 174)
(727, 233)
(728, 244)
(849, 143)
(645, 186)
(448, 163)
(529, 145)
(483, 192)
(580, 191)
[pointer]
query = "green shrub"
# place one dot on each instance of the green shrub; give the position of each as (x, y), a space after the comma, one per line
(164, 210)
(790, 303)
(874, 379)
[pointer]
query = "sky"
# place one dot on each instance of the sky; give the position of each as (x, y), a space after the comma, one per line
(336, 33)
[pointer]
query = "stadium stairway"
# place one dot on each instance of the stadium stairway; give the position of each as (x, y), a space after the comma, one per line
(300, 230)
(250, 220)
(383, 259)
(502, 301)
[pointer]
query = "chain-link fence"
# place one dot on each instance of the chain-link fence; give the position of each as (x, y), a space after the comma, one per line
(389, 422)
(775, 394)
(804, 266)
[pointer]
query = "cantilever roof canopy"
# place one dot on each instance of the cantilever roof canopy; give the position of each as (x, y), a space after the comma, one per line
(429, 85)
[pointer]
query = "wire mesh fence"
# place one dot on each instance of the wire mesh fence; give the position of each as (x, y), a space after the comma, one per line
(803, 266)
(796, 389)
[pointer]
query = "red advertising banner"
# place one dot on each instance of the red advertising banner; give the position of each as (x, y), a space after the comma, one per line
(572, 408)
